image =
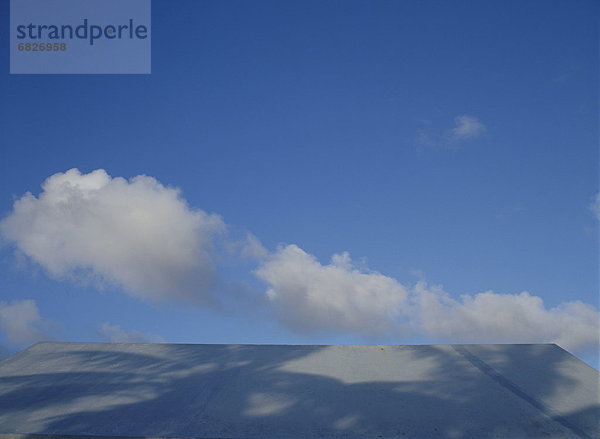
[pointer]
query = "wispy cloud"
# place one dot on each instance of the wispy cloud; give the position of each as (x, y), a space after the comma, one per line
(466, 128)
(115, 334)
(595, 205)
(21, 323)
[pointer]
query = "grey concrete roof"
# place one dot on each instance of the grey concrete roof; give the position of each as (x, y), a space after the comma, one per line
(260, 391)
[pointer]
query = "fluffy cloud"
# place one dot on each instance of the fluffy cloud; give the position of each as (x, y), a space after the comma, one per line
(115, 334)
(142, 236)
(310, 296)
(21, 324)
(505, 318)
(135, 233)
(466, 127)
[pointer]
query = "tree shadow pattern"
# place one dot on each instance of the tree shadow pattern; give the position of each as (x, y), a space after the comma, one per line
(244, 391)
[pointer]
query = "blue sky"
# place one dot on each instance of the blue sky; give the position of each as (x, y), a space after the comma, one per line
(449, 147)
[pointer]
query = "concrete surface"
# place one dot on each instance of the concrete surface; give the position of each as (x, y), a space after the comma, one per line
(246, 391)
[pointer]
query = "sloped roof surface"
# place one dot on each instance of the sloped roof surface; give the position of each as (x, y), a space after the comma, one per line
(260, 391)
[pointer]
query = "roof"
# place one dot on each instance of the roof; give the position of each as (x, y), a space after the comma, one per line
(110, 390)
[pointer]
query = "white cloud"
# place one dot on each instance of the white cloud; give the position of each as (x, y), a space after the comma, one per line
(595, 205)
(142, 236)
(135, 233)
(115, 334)
(21, 324)
(466, 127)
(309, 296)
(505, 318)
